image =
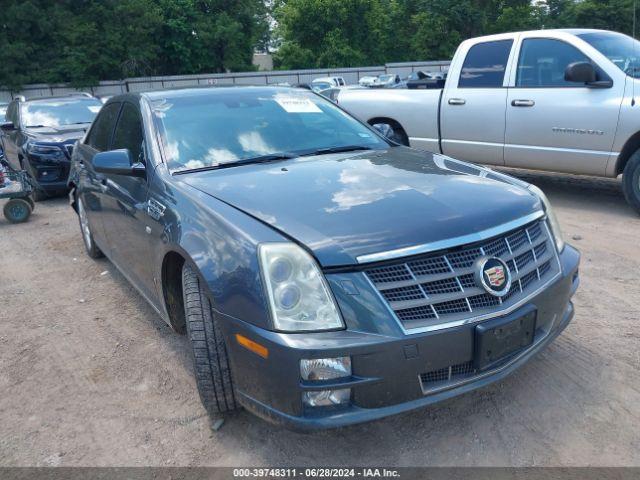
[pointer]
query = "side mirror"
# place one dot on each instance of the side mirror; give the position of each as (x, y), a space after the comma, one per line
(7, 126)
(117, 162)
(585, 72)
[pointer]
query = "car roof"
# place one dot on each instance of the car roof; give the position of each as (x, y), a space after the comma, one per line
(204, 91)
(59, 97)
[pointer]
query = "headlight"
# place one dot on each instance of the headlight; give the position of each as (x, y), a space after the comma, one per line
(48, 150)
(554, 225)
(298, 293)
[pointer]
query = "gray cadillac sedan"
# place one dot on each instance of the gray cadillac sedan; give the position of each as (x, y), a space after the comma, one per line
(324, 275)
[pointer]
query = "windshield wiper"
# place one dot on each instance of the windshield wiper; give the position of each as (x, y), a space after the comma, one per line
(271, 157)
(340, 149)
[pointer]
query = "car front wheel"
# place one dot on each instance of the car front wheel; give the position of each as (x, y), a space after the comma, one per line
(631, 181)
(87, 237)
(211, 360)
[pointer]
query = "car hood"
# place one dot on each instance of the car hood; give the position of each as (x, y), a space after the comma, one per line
(62, 134)
(345, 206)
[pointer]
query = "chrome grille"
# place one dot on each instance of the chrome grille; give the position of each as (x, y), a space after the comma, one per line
(439, 288)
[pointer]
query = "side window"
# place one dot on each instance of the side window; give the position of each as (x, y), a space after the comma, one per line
(129, 132)
(102, 127)
(485, 65)
(543, 60)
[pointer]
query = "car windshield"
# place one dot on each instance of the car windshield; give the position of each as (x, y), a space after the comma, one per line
(622, 50)
(3, 111)
(59, 112)
(385, 78)
(218, 127)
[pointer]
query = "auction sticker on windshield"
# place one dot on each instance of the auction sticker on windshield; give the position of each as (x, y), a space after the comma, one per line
(293, 104)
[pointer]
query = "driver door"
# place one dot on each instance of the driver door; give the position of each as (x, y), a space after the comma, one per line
(557, 125)
(126, 218)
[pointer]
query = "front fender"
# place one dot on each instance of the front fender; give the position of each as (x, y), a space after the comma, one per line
(221, 243)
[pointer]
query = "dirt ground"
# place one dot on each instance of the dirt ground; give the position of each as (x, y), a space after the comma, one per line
(89, 375)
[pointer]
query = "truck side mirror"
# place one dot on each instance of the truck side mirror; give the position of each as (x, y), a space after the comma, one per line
(580, 72)
(585, 72)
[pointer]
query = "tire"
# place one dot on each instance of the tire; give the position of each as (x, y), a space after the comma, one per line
(39, 195)
(211, 360)
(17, 210)
(631, 181)
(393, 132)
(87, 237)
(31, 202)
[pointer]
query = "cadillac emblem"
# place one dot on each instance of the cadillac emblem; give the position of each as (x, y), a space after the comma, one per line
(493, 275)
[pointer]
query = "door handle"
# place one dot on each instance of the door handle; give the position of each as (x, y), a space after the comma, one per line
(522, 103)
(457, 101)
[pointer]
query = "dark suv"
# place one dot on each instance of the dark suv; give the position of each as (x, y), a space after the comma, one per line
(38, 136)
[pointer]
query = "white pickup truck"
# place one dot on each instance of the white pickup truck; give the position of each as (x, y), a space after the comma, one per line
(556, 100)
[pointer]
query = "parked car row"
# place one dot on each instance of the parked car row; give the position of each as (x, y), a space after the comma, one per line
(414, 80)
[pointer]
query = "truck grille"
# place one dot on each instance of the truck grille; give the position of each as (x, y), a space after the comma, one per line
(439, 288)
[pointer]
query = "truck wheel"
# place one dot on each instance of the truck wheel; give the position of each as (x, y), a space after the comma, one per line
(211, 360)
(17, 210)
(392, 131)
(631, 181)
(87, 237)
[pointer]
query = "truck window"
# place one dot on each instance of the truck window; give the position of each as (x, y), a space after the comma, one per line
(485, 65)
(543, 60)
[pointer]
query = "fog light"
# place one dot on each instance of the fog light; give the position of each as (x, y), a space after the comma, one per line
(325, 398)
(318, 369)
(325, 368)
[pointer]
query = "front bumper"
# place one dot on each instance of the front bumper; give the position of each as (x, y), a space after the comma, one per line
(387, 364)
(49, 175)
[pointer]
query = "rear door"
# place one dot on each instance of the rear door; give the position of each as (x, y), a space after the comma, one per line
(553, 124)
(474, 102)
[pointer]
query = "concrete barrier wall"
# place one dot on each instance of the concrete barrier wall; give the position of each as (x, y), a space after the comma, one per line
(114, 87)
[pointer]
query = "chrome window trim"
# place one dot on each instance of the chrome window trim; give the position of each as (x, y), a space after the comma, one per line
(478, 318)
(450, 242)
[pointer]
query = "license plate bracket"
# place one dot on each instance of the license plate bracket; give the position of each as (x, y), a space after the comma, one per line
(497, 339)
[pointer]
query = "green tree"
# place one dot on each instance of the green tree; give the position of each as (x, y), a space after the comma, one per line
(83, 41)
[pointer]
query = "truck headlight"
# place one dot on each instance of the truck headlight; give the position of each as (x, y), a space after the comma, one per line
(554, 225)
(299, 296)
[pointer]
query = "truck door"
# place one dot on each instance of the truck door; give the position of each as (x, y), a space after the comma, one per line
(474, 102)
(554, 124)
